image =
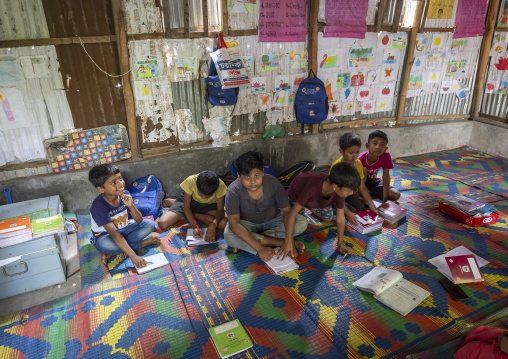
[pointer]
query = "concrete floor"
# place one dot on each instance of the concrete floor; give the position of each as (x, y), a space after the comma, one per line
(73, 284)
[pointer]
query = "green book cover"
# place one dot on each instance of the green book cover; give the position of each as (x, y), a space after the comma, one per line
(230, 338)
(47, 224)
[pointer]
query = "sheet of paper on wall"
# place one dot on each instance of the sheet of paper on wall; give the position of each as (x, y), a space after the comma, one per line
(433, 77)
(386, 91)
(148, 68)
(297, 60)
(363, 94)
(143, 90)
(491, 87)
(348, 108)
(440, 9)
(392, 56)
(439, 41)
(384, 40)
(385, 104)
(389, 73)
(13, 112)
(330, 60)
(422, 44)
(257, 85)
(9, 70)
(187, 68)
(368, 107)
(248, 62)
(281, 99)
(265, 102)
(463, 91)
(218, 129)
(282, 83)
(296, 80)
(499, 44)
(373, 77)
(446, 87)
(35, 67)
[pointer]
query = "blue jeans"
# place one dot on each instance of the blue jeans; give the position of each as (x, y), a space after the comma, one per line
(133, 233)
(273, 228)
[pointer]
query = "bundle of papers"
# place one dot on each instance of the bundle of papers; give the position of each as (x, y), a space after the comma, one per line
(460, 265)
(391, 211)
(193, 241)
(368, 221)
(14, 231)
(391, 289)
(467, 205)
(230, 338)
(153, 261)
(279, 266)
(46, 226)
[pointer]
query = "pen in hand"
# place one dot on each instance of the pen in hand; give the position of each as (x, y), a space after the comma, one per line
(197, 227)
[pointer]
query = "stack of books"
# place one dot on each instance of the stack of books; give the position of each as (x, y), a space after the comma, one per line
(392, 212)
(368, 221)
(467, 205)
(46, 226)
(279, 266)
(14, 231)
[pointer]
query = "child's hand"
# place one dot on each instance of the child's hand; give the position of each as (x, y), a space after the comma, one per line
(351, 217)
(127, 200)
(210, 233)
(138, 262)
(265, 253)
(287, 249)
(373, 208)
(197, 233)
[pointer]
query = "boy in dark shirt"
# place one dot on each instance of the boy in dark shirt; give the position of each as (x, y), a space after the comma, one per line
(109, 212)
(257, 207)
(319, 190)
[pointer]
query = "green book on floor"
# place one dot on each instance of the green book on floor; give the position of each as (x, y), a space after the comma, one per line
(49, 225)
(230, 338)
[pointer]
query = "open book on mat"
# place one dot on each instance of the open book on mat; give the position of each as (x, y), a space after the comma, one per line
(390, 288)
(279, 265)
(464, 266)
(230, 338)
(153, 261)
(193, 241)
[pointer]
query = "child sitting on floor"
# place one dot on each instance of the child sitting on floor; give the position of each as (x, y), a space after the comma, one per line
(109, 212)
(377, 157)
(202, 199)
(350, 144)
(319, 190)
(258, 207)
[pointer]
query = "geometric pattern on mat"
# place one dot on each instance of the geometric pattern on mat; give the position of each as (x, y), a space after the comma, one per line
(405, 176)
(466, 165)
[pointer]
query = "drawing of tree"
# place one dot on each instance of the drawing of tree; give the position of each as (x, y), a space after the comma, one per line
(264, 60)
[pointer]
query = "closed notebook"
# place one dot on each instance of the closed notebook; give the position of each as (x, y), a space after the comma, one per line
(230, 338)
(48, 225)
(464, 269)
(11, 226)
(368, 221)
(154, 261)
(392, 212)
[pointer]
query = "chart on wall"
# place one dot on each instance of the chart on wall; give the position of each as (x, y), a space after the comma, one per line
(85, 149)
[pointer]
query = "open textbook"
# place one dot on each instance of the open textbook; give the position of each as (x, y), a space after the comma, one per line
(279, 266)
(390, 288)
(451, 270)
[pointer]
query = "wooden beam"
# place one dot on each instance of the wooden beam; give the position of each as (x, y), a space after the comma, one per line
(313, 44)
(58, 41)
(321, 28)
(186, 18)
(434, 117)
(380, 14)
(205, 17)
(123, 56)
(19, 166)
(438, 29)
(396, 15)
(495, 118)
(501, 29)
(225, 18)
(158, 151)
(424, 16)
(150, 36)
(253, 32)
(484, 57)
(356, 122)
(409, 62)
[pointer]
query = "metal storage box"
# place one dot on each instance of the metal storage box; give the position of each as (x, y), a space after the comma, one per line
(42, 260)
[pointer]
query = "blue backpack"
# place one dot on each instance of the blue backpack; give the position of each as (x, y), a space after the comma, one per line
(216, 95)
(147, 194)
(311, 101)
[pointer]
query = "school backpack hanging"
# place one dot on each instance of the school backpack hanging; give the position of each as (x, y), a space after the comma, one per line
(216, 95)
(147, 195)
(311, 101)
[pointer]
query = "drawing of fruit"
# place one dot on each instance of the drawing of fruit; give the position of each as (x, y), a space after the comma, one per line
(434, 77)
(437, 41)
(367, 106)
(364, 93)
(385, 40)
(385, 91)
(445, 89)
(490, 87)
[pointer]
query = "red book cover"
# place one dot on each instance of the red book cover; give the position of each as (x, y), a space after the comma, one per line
(392, 209)
(464, 269)
(368, 218)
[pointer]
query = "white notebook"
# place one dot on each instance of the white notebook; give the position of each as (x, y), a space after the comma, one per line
(193, 241)
(281, 266)
(153, 262)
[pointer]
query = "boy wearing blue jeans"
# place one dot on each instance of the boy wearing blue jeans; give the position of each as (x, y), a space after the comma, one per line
(109, 212)
(258, 212)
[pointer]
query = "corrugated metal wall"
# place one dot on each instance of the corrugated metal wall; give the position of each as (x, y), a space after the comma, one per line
(22, 19)
(95, 99)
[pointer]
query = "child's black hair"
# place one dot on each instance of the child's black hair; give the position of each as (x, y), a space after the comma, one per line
(378, 133)
(249, 161)
(207, 182)
(349, 140)
(99, 174)
(344, 174)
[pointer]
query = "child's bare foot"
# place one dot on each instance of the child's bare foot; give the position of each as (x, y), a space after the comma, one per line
(105, 257)
(236, 250)
(318, 216)
(153, 239)
(300, 247)
(168, 202)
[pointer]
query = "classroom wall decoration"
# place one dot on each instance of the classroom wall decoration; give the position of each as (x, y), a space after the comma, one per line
(346, 18)
(497, 75)
(34, 67)
(269, 62)
(248, 62)
(85, 149)
(282, 20)
(470, 18)
(13, 112)
(186, 67)
(298, 59)
(359, 57)
(148, 68)
(440, 9)
(9, 70)
(257, 85)
(143, 90)
(503, 14)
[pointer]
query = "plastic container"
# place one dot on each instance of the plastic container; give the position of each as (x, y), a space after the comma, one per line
(466, 218)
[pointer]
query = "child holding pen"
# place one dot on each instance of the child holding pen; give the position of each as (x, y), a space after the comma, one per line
(202, 199)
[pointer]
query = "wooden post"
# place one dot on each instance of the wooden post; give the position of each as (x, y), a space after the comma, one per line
(409, 61)
(205, 18)
(313, 44)
(396, 15)
(123, 56)
(424, 16)
(380, 14)
(225, 20)
(186, 19)
(484, 57)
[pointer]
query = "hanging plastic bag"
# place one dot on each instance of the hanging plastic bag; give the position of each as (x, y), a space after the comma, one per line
(229, 64)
